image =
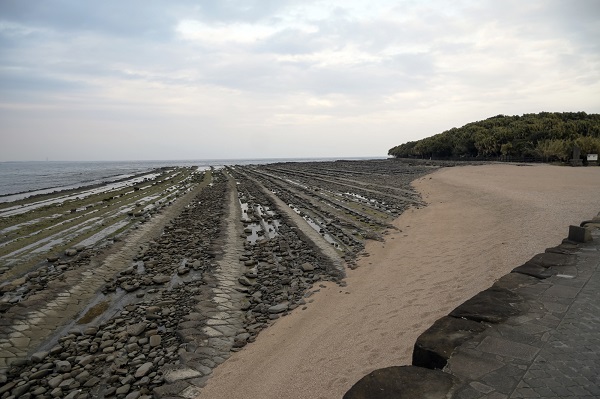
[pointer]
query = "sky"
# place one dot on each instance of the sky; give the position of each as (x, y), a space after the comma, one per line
(215, 79)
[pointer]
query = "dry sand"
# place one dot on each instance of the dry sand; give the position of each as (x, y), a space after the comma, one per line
(481, 222)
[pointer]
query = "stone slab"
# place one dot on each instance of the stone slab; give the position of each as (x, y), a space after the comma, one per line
(533, 271)
(180, 373)
(548, 259)
(492, 306)
(467, 366)
(561, 291)
(506, 348)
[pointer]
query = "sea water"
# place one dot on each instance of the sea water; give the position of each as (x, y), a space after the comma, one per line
(42, 177)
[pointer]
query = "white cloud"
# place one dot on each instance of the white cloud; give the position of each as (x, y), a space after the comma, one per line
(347, 56)
(222, 76)
(222, 34)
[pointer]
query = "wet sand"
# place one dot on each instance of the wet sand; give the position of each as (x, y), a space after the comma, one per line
(480, 222)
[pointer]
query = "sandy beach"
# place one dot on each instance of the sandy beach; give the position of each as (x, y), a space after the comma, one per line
(480, 222)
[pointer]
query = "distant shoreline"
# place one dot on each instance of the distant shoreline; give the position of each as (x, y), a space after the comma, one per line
(20, 177)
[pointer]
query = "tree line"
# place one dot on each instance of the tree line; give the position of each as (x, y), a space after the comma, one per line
(548, 135)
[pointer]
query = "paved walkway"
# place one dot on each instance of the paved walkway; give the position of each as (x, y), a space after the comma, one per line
(550, 351)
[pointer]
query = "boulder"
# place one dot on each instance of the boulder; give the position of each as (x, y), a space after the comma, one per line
(403, 382)
(434, 347)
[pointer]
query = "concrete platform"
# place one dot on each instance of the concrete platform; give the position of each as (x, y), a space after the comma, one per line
(551, 350)
(534, 334)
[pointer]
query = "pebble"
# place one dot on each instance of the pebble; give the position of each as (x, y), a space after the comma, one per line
(55, 382)
(39, 356)
(282, 307)
(143, 369)
(155, 340)
(136, 329)
(123, 389)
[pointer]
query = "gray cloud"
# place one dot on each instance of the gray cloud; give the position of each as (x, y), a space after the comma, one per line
(211, 73)
(113, 18)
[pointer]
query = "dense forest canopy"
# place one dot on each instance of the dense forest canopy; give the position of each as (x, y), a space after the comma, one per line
(547, 135)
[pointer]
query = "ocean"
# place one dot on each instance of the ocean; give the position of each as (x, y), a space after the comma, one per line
(41, 177)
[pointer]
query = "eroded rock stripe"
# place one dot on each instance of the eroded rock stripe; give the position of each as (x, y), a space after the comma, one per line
(179, 304)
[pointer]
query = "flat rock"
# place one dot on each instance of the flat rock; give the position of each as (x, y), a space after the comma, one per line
(533, 270)
(514, 281)
(161, 279)
(39, 356)
(133, 395)
(122, 390)
(40, 374)
(136, 329)
(307, 267)
(55, 382)
(434, 347)
(155, 340)
(548, 259)
(177, 373)
(492, 306)
(251, 274)
(91, 382)
(21, 389)
(282, 307)
(85, 360)
(245, 304)
(63, 366)
(90, 330)
(71, 252)
(129, 287)
(564, 249)
(7, 387)
(403, 382)
(143, 370)
(245, 281)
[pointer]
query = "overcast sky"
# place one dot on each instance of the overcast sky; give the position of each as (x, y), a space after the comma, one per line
(209, 79)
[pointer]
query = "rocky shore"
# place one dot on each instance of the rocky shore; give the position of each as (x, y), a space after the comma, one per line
(186, 280)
